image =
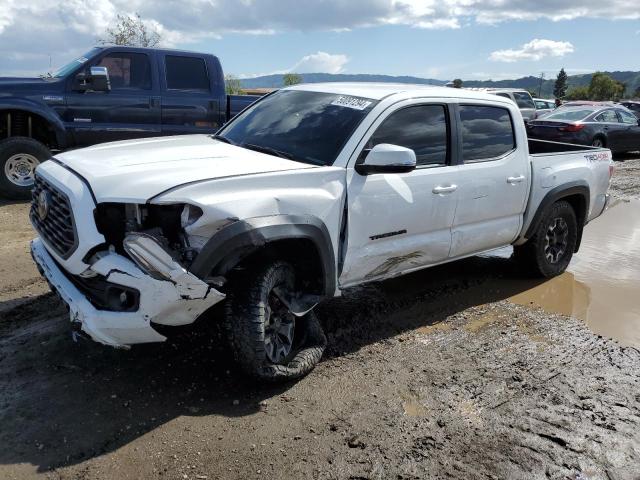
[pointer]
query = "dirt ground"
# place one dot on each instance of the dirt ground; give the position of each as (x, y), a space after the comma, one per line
(434, 375)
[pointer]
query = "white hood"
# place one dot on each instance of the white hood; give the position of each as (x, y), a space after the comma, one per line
(136, 170)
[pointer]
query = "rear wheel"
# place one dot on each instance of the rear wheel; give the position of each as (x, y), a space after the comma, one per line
(551, 248)
(19, 157)
(598, 142)
(268, 341)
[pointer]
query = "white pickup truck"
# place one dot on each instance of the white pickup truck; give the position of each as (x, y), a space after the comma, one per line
(312, 189)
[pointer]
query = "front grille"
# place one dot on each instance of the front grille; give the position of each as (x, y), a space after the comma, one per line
(56, 227)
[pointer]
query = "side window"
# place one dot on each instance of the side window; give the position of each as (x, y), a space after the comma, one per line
(422, 128)
(186, 73)
(505, 95)
(523, 100)
(608, 116)
(128, 70)
(628, 117)
(487, 132)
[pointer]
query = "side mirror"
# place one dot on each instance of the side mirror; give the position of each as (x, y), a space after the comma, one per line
(387, 158)
(96, 80)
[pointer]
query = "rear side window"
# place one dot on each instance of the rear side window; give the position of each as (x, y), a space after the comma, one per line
(186, 73)
(505, 95)
(523, 100)
(487, 132)
(128, 70)
(608, 116)
(422, 128)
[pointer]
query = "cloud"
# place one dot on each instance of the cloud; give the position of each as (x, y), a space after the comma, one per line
(66, 28)
(535, 50)
(321, 62)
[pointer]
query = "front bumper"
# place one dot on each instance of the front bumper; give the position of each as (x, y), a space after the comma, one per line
(161, 301)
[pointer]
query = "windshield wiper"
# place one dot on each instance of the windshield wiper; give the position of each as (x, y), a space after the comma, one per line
(223, 139)
(268, 150)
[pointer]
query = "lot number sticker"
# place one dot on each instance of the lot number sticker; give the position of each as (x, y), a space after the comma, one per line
(351, 102)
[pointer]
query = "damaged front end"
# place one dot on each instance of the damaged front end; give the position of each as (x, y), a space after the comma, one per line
(137, 278)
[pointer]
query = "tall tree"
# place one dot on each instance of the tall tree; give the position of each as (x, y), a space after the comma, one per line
(603, 88)
(131, 31)
(560, 88)
(291, 79)
(457, 83)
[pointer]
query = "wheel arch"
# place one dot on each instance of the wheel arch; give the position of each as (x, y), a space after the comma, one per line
(577, 194)
(22, 118)
(303, 240)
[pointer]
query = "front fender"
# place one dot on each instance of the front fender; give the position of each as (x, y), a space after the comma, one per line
(41, 109)
(233, 243)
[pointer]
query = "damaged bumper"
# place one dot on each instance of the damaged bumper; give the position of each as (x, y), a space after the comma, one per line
(160, 301)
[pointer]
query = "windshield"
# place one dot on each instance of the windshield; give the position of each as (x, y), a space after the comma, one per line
(310, 127)
(571, 115)
(71, 66)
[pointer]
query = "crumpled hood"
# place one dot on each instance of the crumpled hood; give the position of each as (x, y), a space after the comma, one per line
(136, 170)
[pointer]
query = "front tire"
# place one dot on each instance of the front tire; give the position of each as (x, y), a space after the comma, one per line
(19, 157)
(548, 252)
(269, 342)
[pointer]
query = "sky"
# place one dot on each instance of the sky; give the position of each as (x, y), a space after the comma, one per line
(441, 39)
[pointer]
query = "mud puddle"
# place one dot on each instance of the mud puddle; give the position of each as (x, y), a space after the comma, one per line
(602, 284)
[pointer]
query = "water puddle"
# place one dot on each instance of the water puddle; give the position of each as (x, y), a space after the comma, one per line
(411, 405)
(602, 285)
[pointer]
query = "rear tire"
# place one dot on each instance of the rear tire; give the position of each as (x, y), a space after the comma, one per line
(269, 343)
(598, 142)
(19, 157)
(548, 252)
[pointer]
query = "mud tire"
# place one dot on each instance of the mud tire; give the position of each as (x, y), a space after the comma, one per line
(533, 255)
(246, 315)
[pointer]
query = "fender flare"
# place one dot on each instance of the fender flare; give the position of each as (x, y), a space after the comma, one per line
(233, 243)
(41, 110)
(579, 187)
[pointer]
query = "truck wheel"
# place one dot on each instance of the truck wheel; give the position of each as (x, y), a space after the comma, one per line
(549, 251)
(268, 341)
(19, 157)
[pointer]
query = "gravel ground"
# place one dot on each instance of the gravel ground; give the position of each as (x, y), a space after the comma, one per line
(433, 375)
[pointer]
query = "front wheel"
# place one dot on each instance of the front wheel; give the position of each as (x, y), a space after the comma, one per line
(551, 248)
(268, 341)
(19, 157)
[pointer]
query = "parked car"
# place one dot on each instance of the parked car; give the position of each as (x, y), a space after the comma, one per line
(520, 97)
(311, 190)
(110, 93)
(632, 105)
(613, 127)
(544, 106)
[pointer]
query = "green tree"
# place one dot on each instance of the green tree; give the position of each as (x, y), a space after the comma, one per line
(232, 85)
(131, 31)
(291, 79)
(636, 94)
(457, 83)
(578, 93)
(560, 87)
(603, 88)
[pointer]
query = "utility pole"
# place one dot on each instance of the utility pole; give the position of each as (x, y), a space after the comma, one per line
(540, 85)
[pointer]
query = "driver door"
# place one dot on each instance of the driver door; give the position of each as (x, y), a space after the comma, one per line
(131, 109)
(402, 221)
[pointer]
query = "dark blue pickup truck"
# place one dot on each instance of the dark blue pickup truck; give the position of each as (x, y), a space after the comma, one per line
(110, 93)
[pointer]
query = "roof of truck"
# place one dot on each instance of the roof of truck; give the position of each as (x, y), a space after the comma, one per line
(378, 91)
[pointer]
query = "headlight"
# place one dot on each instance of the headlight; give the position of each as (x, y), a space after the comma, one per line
(190, 215)
(151, 257)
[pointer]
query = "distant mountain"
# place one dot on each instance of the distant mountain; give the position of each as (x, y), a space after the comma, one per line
(631, 79)
(275, 81)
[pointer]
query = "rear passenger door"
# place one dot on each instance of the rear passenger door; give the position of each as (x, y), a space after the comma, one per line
(494, 179)
(187, 100)
(614, 129)
(400, 222)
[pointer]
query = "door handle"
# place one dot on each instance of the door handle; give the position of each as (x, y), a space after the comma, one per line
(447, 189)
(517, 179)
